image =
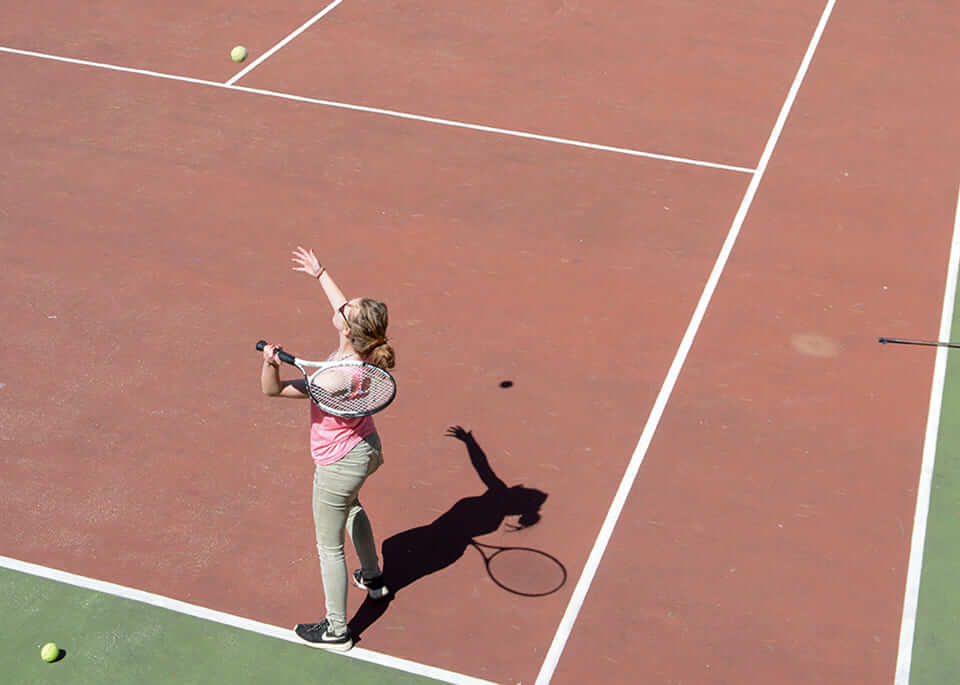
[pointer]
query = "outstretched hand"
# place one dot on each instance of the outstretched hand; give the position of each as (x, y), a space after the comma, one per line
(460, 433)
(307, 262)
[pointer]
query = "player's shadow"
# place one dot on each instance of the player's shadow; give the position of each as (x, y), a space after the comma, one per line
(418, 552)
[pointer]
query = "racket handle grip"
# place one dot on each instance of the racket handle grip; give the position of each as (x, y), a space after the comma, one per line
(281, 355)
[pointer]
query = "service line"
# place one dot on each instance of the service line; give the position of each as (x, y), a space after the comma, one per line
(383, 112)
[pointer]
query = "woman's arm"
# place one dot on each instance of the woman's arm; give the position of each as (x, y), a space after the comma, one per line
(478, 458)
(309, 264)
(270, 382)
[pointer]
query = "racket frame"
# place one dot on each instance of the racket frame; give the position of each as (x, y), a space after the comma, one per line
(318, 367)
(499, 582)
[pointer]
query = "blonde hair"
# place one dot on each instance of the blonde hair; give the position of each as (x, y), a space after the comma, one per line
(368, 333)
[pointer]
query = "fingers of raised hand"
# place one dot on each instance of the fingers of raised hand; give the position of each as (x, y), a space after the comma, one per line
(457, 432)
(307, 260)
(305, 256)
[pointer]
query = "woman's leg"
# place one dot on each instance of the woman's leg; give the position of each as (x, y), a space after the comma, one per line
(335, 506)
(358, 523)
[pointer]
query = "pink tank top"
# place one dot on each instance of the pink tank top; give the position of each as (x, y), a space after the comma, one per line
(331, 437)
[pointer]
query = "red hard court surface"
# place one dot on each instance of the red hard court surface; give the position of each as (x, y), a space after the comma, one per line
(766, 538)
(656, 75)
(147, 230)
(145, 249)
(694, 79)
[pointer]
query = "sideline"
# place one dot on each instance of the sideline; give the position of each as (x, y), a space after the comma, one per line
(908, 623)
(653, 421)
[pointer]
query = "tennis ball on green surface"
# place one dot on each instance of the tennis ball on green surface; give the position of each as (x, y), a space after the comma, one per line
(49, 652)
(238, 54)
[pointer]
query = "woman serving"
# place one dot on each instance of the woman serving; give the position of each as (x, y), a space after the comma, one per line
(345, 452)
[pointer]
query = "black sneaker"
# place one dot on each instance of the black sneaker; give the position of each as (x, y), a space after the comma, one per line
(319, 635)
(374, 586)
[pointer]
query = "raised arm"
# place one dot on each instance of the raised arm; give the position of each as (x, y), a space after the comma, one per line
(308, 263)
(478, 458)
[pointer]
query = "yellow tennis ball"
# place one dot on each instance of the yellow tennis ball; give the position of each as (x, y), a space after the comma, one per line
(238, 54)
(49, 652)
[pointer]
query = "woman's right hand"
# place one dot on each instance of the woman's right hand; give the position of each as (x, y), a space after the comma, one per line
(270, 355)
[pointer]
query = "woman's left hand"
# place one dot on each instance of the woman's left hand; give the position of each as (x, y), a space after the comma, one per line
(307, 262)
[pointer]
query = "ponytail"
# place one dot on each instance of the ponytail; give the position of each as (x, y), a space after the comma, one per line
(368, 334)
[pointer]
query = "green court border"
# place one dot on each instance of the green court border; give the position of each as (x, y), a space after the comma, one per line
(109, 639)
(936, 643)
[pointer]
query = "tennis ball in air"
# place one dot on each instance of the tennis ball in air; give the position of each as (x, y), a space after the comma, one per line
(238, 54)
(49, 652)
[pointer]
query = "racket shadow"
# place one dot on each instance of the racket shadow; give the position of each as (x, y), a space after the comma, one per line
(418, 552)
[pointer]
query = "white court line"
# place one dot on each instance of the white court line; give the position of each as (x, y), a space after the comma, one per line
(283, 42)
(384, 112)
(653, 421)
(230, 620)
(908, 623)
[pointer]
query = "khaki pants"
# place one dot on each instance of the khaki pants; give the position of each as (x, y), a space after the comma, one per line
(335, 508)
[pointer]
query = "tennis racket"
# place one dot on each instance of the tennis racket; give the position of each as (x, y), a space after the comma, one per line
(346, 388)
(934, 343)
(522, 570)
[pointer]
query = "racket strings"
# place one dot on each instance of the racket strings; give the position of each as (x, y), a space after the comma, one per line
(352, 390)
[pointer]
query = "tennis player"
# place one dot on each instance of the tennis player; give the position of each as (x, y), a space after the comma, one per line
(346, 451)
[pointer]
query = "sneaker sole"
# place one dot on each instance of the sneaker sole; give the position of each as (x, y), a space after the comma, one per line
(378, 594)
(332, 646)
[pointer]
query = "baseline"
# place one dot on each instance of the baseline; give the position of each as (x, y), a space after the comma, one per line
(226, 619)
